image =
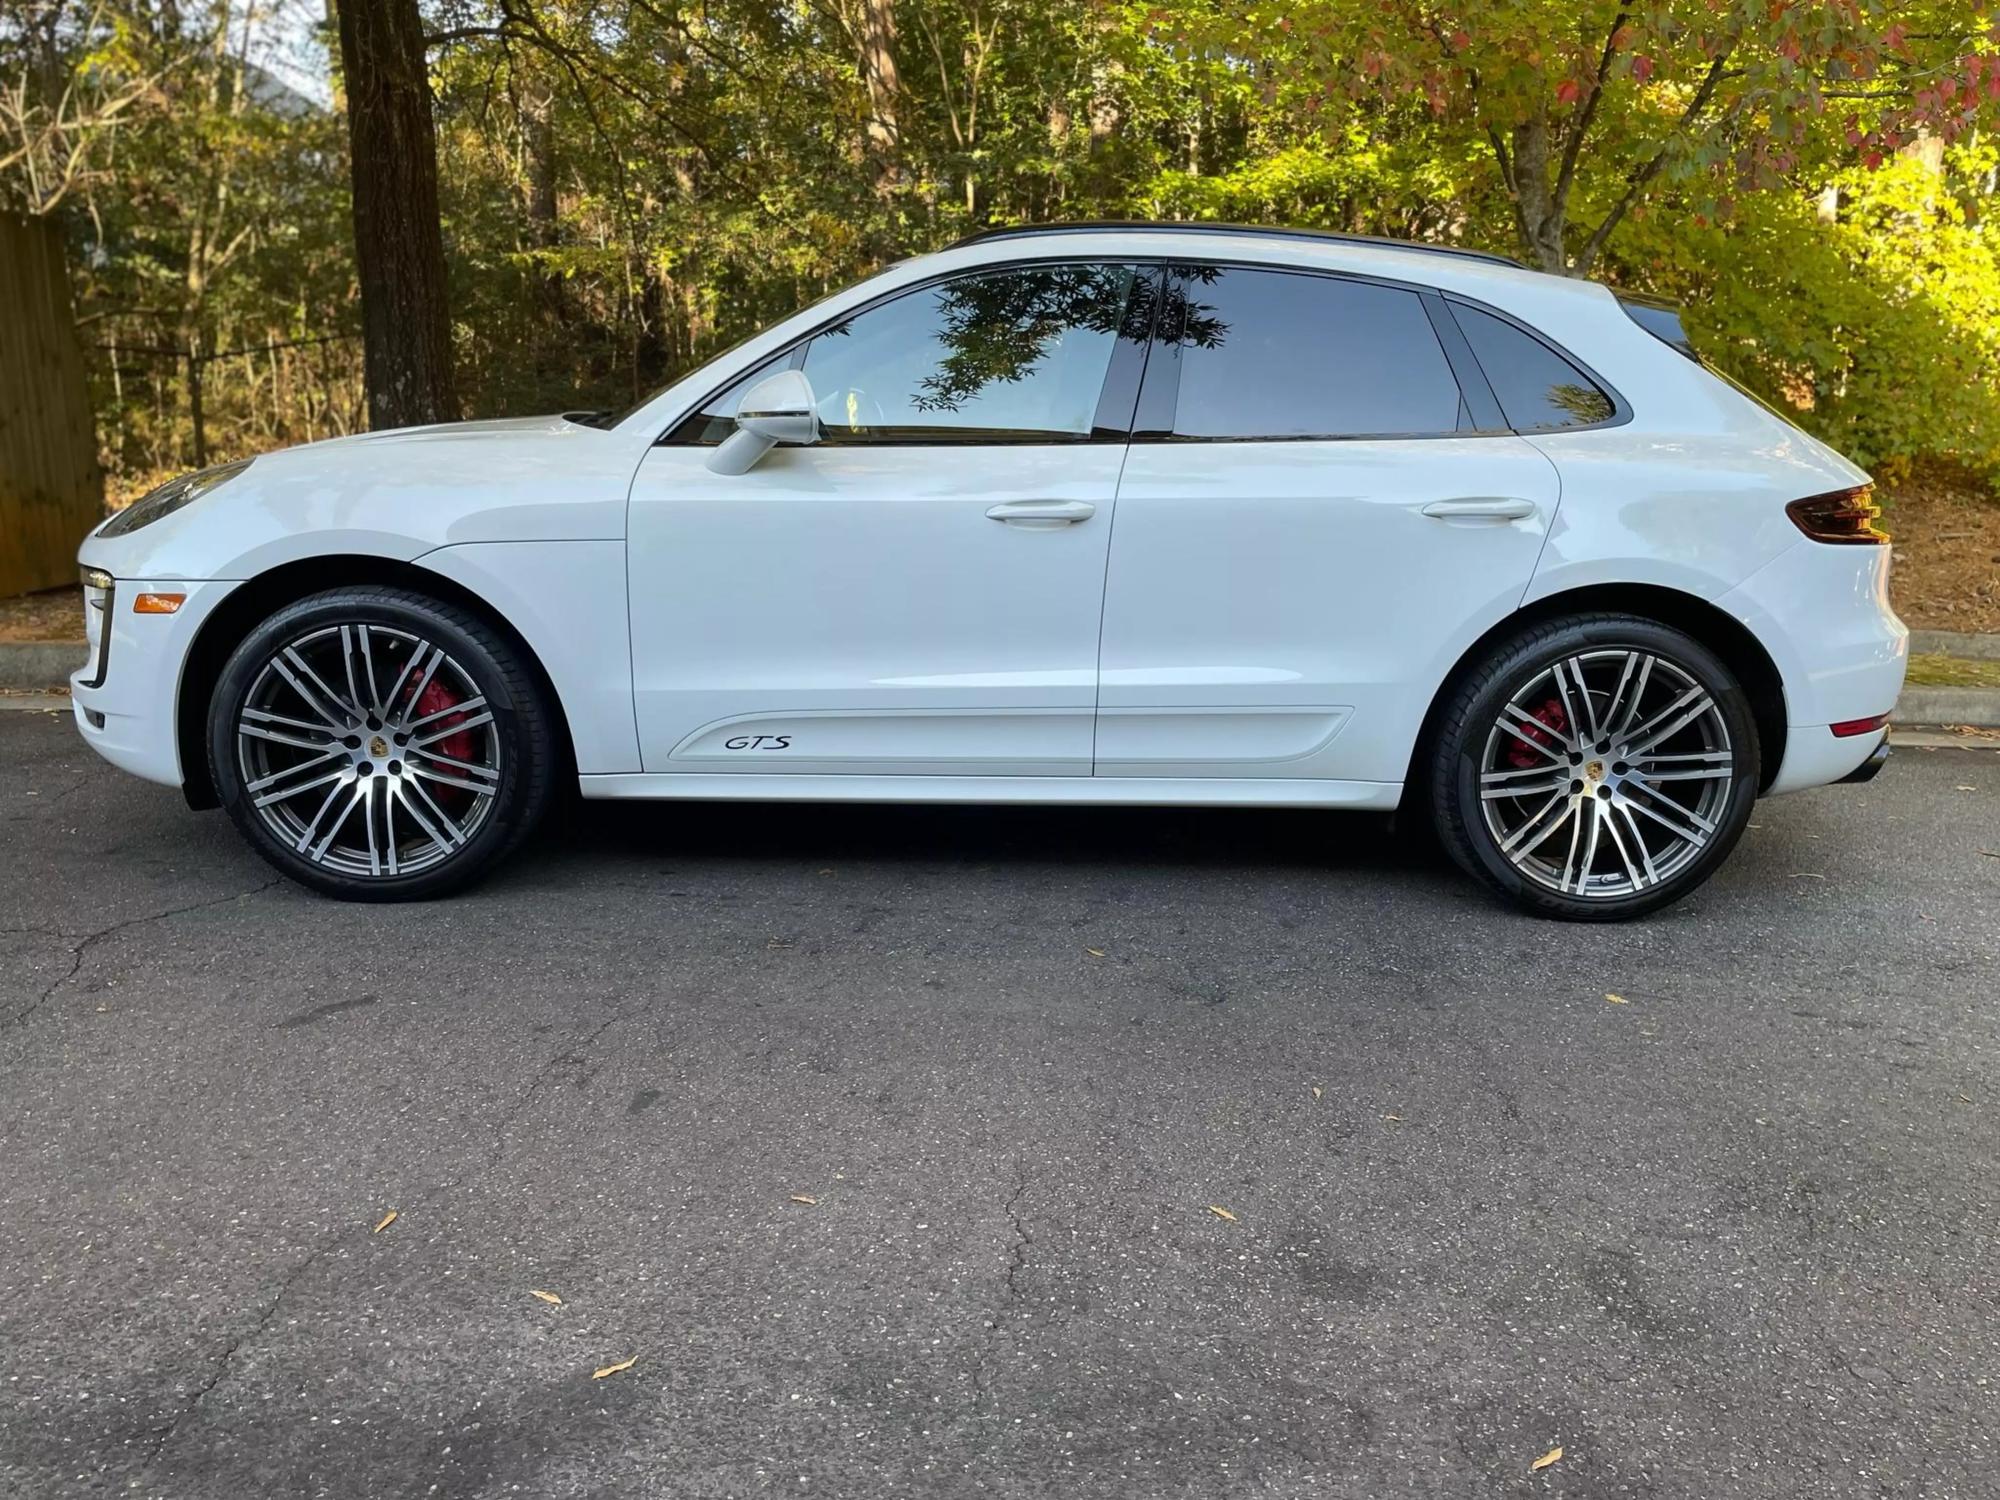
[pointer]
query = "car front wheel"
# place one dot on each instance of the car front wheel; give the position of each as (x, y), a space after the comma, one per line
(1595, 768)
(379, 745)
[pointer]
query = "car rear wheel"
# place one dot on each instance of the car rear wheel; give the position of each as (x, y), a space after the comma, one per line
(1596, 767)
(378, 745)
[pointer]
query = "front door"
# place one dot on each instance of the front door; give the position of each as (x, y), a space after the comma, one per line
(1314, 521)
(919, 592)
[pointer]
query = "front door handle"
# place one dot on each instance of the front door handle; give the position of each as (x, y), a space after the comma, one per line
(1481, 508)
(1043, 514)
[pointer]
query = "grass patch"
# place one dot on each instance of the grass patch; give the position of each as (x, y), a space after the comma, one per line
(1953, 671)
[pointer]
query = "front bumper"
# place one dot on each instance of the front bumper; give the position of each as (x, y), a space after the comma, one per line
(127, 692)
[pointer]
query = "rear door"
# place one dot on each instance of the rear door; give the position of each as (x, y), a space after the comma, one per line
(1317, 516)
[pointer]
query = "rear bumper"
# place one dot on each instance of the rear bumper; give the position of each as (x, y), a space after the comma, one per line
(1823, 614)
(1870, 768)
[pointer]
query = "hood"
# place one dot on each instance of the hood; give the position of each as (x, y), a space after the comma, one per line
(449, 432)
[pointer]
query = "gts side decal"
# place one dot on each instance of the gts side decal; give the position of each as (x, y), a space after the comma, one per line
(758, 742)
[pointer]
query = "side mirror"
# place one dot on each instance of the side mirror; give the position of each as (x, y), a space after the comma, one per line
(777, 409)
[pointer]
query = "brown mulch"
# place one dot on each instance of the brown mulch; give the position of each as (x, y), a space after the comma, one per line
(1946, 573)
(52, 615)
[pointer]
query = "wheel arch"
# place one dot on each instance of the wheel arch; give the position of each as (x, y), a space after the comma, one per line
(1715, 628)
(256, 599)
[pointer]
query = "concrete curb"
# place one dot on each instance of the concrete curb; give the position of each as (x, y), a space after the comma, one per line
(39, 664)
(1955, 643)
(1979, 707)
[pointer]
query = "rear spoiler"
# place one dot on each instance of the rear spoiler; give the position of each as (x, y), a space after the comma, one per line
(1660, 318)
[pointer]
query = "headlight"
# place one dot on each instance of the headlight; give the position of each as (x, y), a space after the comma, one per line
(169, 498)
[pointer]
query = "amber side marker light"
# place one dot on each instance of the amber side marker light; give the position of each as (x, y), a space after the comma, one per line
(157, 604)
(1845, 516)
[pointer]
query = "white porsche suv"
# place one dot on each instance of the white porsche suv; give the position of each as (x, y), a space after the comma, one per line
(1122, 513)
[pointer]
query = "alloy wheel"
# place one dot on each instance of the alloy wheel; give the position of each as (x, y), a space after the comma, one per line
(368, 750)
(1606, 774)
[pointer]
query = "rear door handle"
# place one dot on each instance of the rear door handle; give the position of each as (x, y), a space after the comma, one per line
(1481, 508)
(1043, 514)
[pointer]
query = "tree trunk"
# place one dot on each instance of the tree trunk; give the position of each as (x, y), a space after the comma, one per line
(878, 72)
(398, 244)
(1539, 216)
(538, 131)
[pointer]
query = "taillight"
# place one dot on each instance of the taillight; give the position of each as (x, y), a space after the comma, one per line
(1845, 516)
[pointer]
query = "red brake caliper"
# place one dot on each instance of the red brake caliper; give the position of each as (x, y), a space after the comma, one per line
(1550, 713)
(435, 698)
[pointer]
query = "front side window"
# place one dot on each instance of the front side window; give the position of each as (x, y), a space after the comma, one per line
(1278, 354)
(1017, 355)
(1538, 390)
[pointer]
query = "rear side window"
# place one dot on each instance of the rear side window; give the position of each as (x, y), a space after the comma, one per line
(1538, 390)
(1273, 354)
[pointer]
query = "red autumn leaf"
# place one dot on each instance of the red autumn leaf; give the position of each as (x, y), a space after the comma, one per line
(1568, 91)
(1642, 68)
(1872, 160)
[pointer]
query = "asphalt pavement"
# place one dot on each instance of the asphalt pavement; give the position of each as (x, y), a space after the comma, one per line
(934, 1152)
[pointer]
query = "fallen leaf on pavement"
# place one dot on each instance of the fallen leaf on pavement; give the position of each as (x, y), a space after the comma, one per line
(387, 1219)
(1968, 789)
(1616, 999)
(1397, 1119)
(1554, 1455)
(1222, 1213)
(1095, 952)
(614, 1369)
(1315, 1091)
(802, 1198)
(1991, 853)
(549, 1297)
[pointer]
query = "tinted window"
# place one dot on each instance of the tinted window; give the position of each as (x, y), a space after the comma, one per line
(1011, 356)
(1268, 354)
(1538, 389)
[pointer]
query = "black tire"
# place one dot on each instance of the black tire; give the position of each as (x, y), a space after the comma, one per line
(1472, 750)
(502, 797)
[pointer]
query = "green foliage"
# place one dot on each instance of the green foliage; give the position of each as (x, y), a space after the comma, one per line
(1877, 329)
(629, 185)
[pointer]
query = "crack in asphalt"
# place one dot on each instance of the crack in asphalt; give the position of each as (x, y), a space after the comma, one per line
(501, 1127)
(1010, 1279)
(80, 946)
(1017, 1255)
(165, 1434)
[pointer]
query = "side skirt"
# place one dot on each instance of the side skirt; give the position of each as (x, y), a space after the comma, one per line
(1094, 791)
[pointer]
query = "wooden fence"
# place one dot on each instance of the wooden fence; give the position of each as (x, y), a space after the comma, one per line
(51, 488)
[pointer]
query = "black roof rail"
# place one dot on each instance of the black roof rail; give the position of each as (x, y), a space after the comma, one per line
(1209, 226)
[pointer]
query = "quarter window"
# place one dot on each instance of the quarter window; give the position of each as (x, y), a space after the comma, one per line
(1538, 390)
(1274, 354)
